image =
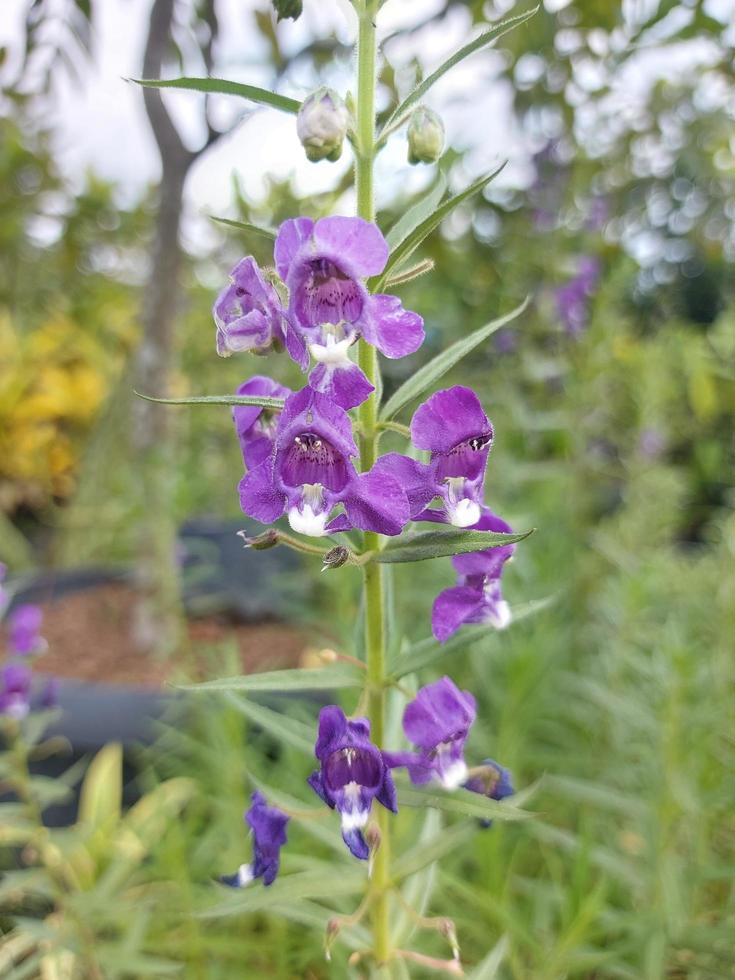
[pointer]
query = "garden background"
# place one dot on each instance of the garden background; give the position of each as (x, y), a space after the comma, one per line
(613, 400)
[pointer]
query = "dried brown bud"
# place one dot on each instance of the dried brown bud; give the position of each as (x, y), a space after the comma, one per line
(268, 539)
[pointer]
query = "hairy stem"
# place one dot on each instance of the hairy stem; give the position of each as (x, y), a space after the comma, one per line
(373, 575)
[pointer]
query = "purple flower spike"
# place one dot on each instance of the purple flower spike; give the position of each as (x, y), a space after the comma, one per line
(268, 825)
(437, 722)
(572, 299)
(310, 471)
(23, 630)
(248, 313)
(477, 598)
(353, 773)
(256, 427)
(324, 265)
(15, 690)
(491, 780)
(454, 427)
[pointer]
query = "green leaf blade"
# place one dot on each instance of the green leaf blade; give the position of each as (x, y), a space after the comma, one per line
(417, 213)
(269, 233)
(290, 731)
(223, 86)
(288, 888)
(462, 802)
(443, 544)
(299, 679)
(430, 373)
(262, 401)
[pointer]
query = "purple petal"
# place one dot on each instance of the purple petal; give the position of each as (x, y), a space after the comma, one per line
(291, 236)
(394, 331)
(448, 418)
(260, 497)
(252, 331)
(453, 608)
(310, 411)
(387, 794)
(356, 842)
(354, 244)
(345, 385)
(440, 712)
(376, 502)
(332, 727)
(296, 345)
(413, 477)
(251, 420)
(316, 783)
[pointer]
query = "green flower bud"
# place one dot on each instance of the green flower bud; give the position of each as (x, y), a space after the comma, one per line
(322, 125)
(288, 8)
(425, 136)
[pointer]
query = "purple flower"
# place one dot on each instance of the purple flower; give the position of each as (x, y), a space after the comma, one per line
(256, 427)
(15, 690)
(268, 825)
(248, 313)
(491, 780)
(572, 299)
(324, 264)
(353, 773)
(477, 598)
(23, 630)
(309, 472)
(437, 722)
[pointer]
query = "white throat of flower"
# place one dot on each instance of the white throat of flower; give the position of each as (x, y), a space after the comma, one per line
(499, 615)
(244, 875)
(461, 511)
(311, 517)
(333, 352)
(356, 818)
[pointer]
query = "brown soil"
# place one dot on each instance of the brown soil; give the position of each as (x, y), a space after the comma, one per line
(91, 637)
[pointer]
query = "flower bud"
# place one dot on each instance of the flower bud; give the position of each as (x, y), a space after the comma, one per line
(322, 125)
(288, 8)
(335, 558)
(268, 539)
(425, 136)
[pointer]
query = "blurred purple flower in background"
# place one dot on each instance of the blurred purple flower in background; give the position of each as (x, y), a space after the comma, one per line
(24, 625)
(572, 299)
(15, 690)
(268, 825)
(353, 773)
(651, 443)
(437, 722)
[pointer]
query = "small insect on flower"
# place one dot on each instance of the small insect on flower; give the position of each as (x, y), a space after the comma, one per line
(437, 722)
(268, 825)
(353, 773)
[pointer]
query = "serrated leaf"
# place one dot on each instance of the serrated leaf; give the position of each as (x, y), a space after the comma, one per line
(289, 888)
(269, 233)
(412, 241)
(429, 374)
(417, 213)
(463, 802)
(289, 730)
(299, 679)
(426, 651)
(482, 41)
(223, 86)
(262, 401)
(488, 968)
(100, 800)
(443, 543)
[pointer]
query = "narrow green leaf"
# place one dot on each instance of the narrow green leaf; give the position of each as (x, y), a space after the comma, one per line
(288, 888)
(432, 850)
(441, 544)
(223, 86)
(462, 802)
(426, 651)
(276, 404)
(417, 213)
(488, 968)
(429, 374)
(412, 241)
(401, 278)
(309, 679)
(100, 800)
(289, 730)
(269, 233)
(482, 41)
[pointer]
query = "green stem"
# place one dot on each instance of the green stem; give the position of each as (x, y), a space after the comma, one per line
(368, 414)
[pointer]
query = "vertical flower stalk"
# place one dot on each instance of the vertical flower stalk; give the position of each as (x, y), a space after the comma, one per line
(368, 411)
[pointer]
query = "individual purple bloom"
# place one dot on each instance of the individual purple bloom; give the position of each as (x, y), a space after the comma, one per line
(268, 825)
(437, 722)
(572, 299)
(477, 598)
(310, 471)
(24, 624)
(454, 428)
(255, 426)
(15, 690)
(248, 313)
(353, 773)
(324, 264)
(50, 695)
(491, 780)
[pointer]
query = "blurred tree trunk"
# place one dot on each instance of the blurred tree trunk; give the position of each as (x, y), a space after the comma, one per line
(160, 620)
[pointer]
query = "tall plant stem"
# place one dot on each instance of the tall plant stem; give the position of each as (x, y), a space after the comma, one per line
(373, 582)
